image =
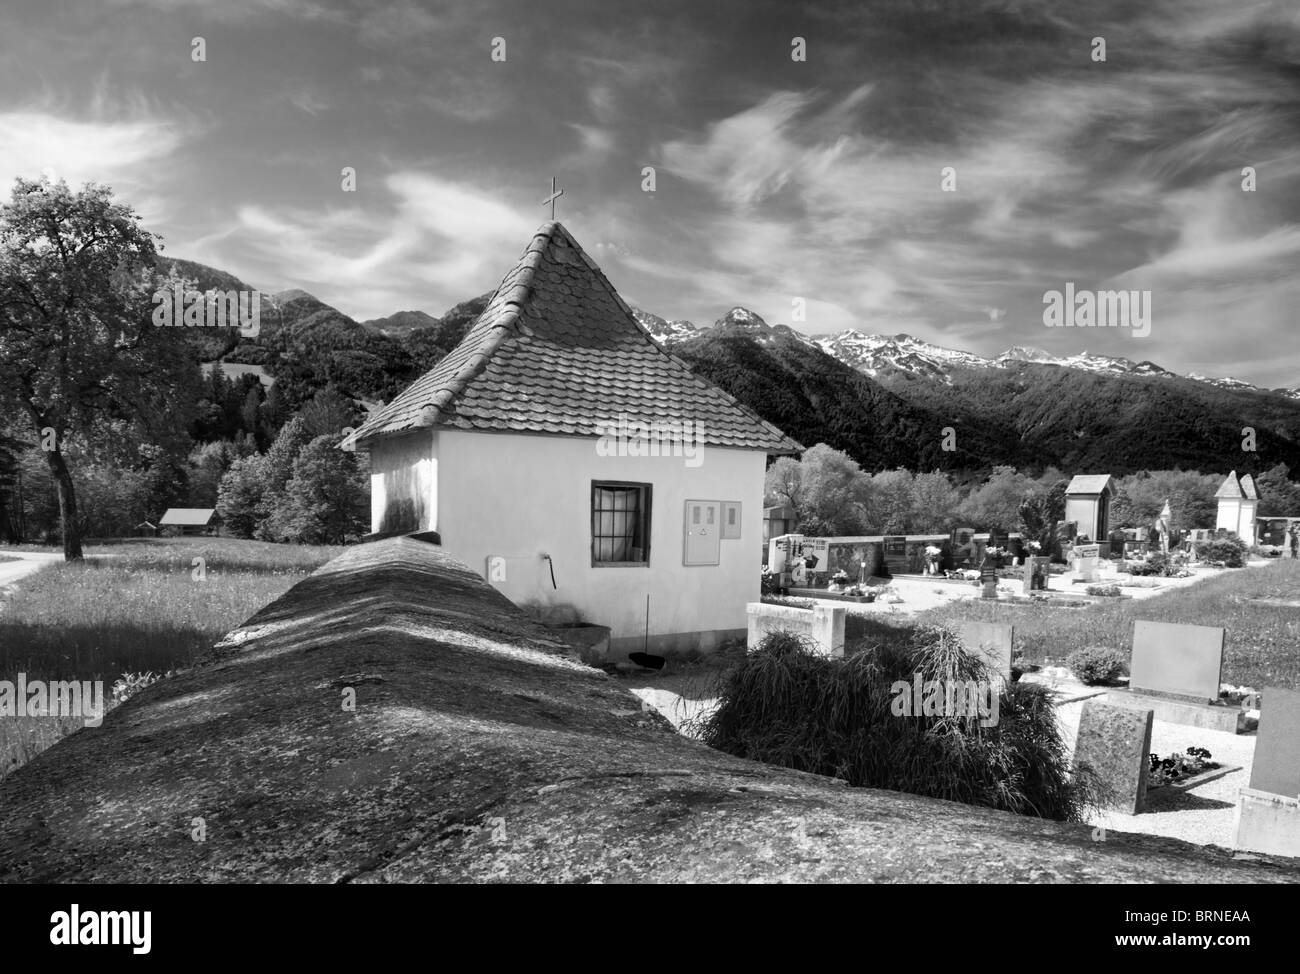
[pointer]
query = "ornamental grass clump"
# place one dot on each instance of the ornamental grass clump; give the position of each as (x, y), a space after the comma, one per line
(786, 705)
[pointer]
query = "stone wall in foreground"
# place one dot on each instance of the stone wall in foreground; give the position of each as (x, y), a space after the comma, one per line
(479, 750)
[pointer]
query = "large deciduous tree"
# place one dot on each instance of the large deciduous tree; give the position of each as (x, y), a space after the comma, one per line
(76, 340)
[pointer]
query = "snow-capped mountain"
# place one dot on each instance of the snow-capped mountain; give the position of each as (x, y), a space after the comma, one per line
(902, 354)
(753, 326)
(1225, 383)
(876, 354)
(663, 331)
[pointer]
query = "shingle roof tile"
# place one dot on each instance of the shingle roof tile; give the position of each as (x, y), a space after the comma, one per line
(556, 350)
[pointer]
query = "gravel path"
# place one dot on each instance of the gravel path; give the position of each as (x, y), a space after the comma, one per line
(1202, 814)
(28, 563)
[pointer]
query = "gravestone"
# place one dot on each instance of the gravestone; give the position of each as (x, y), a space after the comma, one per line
(998, 539)
(988, 579)
(1115, 742)
(1085, 562)
(1116, 542)
(823, 626)
(1035, 578)
(895, 547)
(993, 641)
(1276, 765)
(1267, 817)
(1177, 659)
(963, 546)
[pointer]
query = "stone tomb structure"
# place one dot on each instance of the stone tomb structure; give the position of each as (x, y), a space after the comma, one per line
(1176, 670)
(993, 641)
(1087, 504)
(823, 625)
(1114, 742)
(1238, 503)
(1268, 811)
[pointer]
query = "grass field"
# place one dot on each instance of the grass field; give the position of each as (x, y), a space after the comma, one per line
(133, 607)
(140, 605)
(1262, 646)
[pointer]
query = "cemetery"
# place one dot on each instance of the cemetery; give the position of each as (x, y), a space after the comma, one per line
(1146, 732)
(483, 719)
(521, 650)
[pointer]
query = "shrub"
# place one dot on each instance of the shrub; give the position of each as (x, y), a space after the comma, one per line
(1228, 551)
(1106, 590)
(785, 705)
(1095, 665)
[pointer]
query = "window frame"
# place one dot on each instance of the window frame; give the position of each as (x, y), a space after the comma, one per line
(644, 516)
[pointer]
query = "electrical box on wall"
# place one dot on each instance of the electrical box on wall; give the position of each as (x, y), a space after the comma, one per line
(730, 520)
(703, 533)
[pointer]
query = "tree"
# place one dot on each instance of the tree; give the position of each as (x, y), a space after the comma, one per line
(1279, 495)
(326, 500)
(996, 502)
(1139, 498)
(207, 466)
(239, 498)
(329, 413)
(891, 502)
(935, 502)
(826, 488)
(783, 484)
(10, 474)
(76, 339)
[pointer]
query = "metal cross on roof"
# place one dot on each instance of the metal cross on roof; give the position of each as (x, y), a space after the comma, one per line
(555, 195)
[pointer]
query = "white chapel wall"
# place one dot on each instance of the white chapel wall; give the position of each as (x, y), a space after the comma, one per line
(518, 497)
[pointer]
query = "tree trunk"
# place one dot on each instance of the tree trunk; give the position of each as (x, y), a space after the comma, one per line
(67, 506)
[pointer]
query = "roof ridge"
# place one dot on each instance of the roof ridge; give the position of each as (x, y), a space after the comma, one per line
(565, 314)
(525, 268)
(703, 383)
(502, 329)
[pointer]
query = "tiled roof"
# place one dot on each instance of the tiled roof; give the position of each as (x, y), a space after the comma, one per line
(188, 516)
(1089, 484)
(1248, 487)
(557, 351)
(1229, 487)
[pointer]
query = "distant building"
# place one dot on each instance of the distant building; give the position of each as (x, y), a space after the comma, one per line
(187, 520)
(1087, 504)
(1238, 502)
(584, 470)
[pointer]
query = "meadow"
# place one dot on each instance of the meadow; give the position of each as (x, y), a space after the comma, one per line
(135, 606)
(142, 604)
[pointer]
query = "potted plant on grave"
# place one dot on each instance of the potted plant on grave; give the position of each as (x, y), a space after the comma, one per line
(839, 581)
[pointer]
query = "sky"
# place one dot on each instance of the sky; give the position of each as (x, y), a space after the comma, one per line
(779, 183)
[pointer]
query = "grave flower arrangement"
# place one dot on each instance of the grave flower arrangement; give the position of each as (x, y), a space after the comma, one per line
(1179, 766)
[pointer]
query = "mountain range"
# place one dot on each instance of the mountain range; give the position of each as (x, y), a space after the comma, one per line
(887, 401)
(902, 354)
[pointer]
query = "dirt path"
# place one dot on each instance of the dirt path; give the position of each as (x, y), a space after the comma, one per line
(29, 562)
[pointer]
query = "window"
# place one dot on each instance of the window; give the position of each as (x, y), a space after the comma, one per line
(620, 523)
